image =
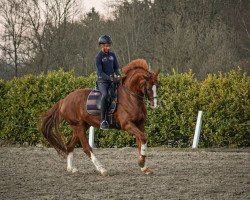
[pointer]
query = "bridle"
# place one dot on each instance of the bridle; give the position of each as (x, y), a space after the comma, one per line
(141, 97)
(145, 91)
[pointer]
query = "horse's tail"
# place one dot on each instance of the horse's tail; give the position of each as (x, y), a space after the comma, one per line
(50, 129)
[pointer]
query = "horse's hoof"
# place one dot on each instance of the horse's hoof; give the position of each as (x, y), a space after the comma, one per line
(72, 170)
(147, 171)
(104, 172)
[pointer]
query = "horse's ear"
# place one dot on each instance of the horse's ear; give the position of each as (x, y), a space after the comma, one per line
(157, 72)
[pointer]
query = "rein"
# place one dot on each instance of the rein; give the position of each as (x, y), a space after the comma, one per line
(145, 94)
(140, 97)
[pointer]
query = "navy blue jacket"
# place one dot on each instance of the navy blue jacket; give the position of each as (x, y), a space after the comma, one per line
(106, 65)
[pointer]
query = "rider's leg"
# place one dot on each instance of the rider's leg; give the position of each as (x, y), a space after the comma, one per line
(103, 87)
(103, 108)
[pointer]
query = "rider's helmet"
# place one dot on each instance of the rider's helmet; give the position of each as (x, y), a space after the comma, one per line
(105, 39)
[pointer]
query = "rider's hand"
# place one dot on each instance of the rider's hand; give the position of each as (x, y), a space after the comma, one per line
(112, 78)
(117, 79)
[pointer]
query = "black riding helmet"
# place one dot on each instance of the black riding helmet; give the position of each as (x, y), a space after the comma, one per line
(105, 39)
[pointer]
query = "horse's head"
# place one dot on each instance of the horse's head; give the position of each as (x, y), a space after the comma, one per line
(139, 82)
(149, 87)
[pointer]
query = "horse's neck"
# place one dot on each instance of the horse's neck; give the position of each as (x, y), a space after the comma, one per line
(129, 91)
(132, 83)
(134, 100)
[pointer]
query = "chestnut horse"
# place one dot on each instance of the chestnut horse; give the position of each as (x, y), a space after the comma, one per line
(130, 115)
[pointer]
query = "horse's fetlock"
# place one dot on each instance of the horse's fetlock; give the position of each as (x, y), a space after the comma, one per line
(141, 161)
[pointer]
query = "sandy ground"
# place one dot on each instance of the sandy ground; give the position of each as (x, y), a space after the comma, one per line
(39, 173)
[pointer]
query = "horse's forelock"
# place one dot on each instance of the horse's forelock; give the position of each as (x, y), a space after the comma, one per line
(138, 63)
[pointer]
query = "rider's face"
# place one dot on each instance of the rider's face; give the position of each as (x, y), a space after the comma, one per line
(105, 47)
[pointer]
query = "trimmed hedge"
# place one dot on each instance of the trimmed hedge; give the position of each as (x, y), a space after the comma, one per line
(224, 99)
(25, 99)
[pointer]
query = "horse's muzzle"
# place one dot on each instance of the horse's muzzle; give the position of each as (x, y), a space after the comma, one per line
(154, 102)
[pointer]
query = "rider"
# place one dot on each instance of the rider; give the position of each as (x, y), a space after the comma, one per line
(107, 65)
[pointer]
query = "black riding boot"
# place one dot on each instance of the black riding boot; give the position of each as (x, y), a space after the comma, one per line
(104, 124)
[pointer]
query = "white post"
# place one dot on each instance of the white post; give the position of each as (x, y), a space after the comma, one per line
(197, 130)
(91, 136)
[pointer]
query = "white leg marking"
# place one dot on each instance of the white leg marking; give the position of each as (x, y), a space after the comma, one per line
(98, 165)
(70, 167)
(144, 149)
(155, 96)
(146, 170)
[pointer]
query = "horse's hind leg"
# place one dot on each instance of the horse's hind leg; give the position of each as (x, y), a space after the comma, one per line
(81, 133)
(70, 148)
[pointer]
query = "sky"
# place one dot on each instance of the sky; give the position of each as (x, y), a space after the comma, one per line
(98, 4)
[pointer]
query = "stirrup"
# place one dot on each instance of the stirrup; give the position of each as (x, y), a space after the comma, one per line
(104, 125)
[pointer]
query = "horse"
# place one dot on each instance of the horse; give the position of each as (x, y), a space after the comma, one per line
(136, 83)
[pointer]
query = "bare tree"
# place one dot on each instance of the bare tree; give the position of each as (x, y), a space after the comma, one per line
(132, 29)
(206, 36)
(37, 22)
(50, 24)
(14, 23)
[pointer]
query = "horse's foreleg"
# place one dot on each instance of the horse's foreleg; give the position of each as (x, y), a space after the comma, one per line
(70, 148)
(81, 132)
(142, 157)
(98, 165)
(141, 141)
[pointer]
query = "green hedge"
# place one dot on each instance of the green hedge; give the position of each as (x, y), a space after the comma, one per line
(25, 99)
(224, 99)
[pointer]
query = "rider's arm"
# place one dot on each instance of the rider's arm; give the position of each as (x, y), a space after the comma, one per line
(100, 72)
(116, 67)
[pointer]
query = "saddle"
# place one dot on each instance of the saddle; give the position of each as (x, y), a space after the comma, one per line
(93, 104)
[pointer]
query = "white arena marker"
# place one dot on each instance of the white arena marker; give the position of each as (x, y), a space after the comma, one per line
(91, 136)
(197, 130)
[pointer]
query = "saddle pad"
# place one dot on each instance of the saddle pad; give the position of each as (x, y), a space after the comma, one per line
(91, 105)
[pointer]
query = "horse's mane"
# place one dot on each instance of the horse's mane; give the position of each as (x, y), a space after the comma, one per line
(138, 63)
